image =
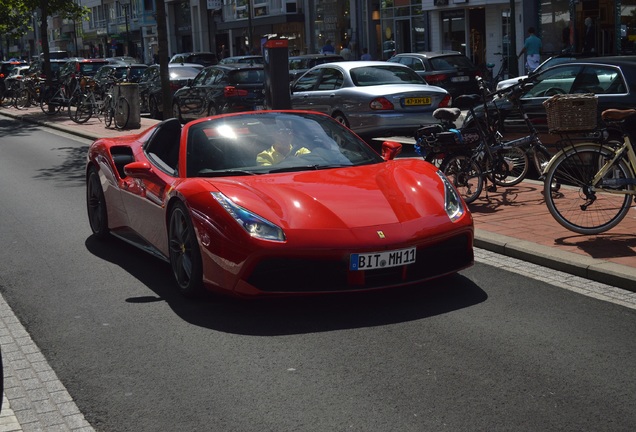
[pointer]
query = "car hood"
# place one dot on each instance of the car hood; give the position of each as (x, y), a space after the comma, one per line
(510, 82)
(395, 192)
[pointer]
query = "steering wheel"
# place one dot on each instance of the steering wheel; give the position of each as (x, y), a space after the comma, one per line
(553, 91)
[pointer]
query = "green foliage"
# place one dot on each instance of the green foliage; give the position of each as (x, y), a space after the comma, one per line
(17, 15)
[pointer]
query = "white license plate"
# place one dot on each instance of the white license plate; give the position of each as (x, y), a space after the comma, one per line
(460, 79)
(376, 260)
(259, 108)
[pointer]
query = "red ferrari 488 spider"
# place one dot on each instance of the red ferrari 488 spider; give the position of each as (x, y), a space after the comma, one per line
(277, 203)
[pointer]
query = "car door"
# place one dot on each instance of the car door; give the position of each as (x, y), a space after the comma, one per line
(323, 95)
(552, 81)
(145, 196)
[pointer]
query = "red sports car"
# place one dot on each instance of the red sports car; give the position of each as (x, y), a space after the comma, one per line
(277, 203)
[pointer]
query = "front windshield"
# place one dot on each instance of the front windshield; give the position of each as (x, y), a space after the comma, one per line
(262, 143)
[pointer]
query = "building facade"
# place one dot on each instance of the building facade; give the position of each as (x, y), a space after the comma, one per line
(484, 30)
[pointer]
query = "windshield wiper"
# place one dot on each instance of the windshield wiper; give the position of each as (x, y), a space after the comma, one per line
(224, 173)
(307, 167)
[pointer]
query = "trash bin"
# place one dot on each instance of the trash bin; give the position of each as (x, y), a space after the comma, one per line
(130, 91)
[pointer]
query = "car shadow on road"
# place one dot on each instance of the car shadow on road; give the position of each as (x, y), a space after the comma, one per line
(291, 315)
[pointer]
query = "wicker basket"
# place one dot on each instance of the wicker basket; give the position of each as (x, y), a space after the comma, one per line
(571, 112)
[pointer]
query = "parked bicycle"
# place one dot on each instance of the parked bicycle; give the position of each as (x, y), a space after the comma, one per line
(27, 92)
(102, 104)
(55, 97)
(503, 163)
(598, 180)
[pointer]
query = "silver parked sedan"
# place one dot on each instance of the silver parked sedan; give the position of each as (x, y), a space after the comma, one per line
(372, 98)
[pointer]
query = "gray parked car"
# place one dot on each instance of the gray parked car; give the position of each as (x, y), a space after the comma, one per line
(373, 98)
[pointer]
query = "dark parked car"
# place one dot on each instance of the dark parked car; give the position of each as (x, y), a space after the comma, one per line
(202, 58)
(130, 73)
(150, 85)
(74, 69)
(250, 59)
(221, 89)
(450, 70)
(298, 65)
(122, 60)
(37, 68)
(610, 78)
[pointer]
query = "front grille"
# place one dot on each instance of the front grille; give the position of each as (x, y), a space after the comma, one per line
(289, 274)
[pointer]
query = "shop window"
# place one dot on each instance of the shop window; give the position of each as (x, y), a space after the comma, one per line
(454, 31)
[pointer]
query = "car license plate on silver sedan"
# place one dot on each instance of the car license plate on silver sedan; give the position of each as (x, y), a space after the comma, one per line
(376, 260)
(413, 101)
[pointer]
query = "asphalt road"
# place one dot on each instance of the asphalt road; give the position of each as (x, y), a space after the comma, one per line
(485, 350)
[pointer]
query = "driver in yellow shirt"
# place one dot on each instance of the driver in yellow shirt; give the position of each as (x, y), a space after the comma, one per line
(280, 149)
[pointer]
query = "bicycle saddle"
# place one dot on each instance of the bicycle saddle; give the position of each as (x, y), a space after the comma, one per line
(447, 114)
(614, 114)
(467, 101)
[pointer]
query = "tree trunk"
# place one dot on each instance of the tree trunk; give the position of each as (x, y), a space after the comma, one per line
(162, 41)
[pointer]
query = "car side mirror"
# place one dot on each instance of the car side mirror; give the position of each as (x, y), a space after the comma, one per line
(390, 150)
(141, 170)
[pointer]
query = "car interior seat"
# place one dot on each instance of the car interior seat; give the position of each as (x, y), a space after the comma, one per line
(587, 82)
(203, 154)
(163, 145)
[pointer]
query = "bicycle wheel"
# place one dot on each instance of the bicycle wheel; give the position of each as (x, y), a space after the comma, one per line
(508, 167)
(465, 174)
(122, 112)
(73, 103)
(81, 111)
(579, 205)
(22, 99)
(50, 101)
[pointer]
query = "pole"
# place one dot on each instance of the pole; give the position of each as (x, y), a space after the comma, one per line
(126, 20)
(513, 62)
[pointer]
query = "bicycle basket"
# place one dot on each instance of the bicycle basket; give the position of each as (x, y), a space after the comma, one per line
(571, 112)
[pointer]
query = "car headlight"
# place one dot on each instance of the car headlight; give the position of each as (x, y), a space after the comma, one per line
(255, 225)
(452, 201)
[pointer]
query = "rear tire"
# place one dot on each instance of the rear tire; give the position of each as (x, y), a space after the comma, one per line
(340, 118)
(511, 169)
(153, 108)
(96, 204)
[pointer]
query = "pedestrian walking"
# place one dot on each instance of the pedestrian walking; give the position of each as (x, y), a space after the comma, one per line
(365, 54)
(328, 48)
(532, 49)
(345, 52)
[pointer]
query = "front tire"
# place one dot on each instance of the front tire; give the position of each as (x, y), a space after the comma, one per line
(96, 204)
(185, 256)
(466, 175)
(579, 205)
